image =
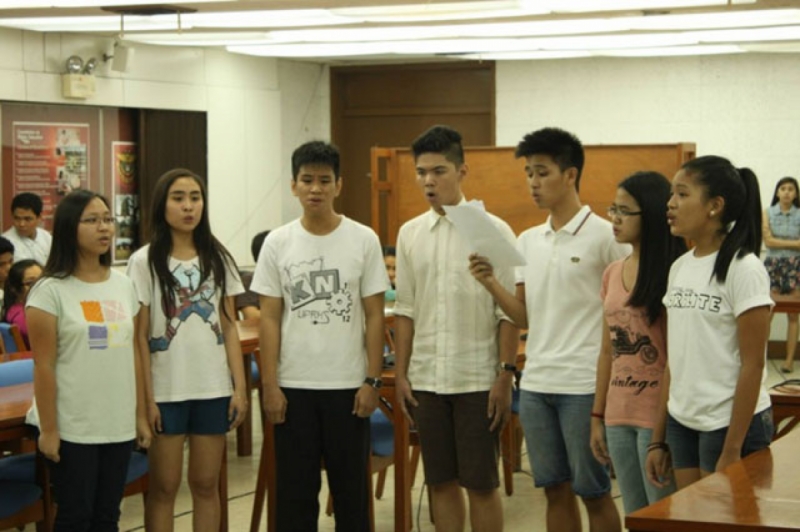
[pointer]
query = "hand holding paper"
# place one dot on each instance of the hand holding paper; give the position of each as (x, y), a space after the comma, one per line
(483, 237)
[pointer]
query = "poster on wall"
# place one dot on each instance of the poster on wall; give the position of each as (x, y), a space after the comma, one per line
(51, 160)
(125, 199)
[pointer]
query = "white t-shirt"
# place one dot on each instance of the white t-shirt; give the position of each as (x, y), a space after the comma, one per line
(702, 337)
(322, 280)
(37, 248)
(95, 376)
(562, 285)
(187, 350)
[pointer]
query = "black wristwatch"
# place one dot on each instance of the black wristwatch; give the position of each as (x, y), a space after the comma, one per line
(375, 382)
(503, 366)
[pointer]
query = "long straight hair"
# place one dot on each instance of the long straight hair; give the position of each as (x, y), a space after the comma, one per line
(211, 254)
(63, 258)
(782, 181)
(741, 214)
(658, 247)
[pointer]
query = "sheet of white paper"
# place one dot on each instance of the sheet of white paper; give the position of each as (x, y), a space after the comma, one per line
(483, 237)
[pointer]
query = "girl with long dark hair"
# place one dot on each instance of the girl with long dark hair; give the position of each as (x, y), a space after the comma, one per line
(633, 356)
(718, 306)
(21, 277)
(781, 227)
(186, 280)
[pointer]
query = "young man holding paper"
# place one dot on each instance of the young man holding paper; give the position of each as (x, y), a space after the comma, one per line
(455, 348)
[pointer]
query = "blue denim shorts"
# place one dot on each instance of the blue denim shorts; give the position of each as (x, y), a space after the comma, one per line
(692, 448)
(197, 416)
(557, 433)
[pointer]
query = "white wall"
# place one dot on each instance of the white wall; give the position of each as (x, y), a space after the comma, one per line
(743, 107)
(739, 106)
(257, 109)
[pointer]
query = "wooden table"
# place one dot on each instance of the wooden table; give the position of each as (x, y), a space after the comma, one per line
(248, 339)
(759, 493)
(784, 303)
(785, 405)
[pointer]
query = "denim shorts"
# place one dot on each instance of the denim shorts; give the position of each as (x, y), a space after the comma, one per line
(557, 433)
(196, 416)
(692, 448)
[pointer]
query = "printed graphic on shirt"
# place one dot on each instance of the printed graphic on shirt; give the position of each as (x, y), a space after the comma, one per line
(687, 298)
(192, 298)
(633, 373)
(308, 282)
(108, 314)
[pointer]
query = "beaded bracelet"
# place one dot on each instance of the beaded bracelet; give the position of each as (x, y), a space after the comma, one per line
(658, 445)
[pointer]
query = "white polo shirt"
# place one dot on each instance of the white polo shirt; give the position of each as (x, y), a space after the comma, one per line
(562, 293)
(455, 317)
(37, 248)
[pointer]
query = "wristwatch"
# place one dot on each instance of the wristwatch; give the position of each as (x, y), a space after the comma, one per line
(503, 366)
(375, 382)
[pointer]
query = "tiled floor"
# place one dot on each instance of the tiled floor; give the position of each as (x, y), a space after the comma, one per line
(524, 510)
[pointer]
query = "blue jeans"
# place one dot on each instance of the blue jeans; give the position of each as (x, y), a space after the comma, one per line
(627, 446)
(693, 448)
(557, 432)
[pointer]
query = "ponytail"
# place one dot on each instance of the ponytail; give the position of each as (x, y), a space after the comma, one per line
(741, 215)
(745, 235)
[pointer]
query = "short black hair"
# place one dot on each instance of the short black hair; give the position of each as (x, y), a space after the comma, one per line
(562, 146)
(440, 139)
(257, 243)
(389, 251)
(316, 152)
(5, 245)
(27, 200)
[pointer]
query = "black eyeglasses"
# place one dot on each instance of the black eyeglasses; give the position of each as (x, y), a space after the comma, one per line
(621, 212)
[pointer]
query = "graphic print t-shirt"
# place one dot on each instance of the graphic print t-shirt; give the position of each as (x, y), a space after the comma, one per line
(639, 355)
(96, 398)
(702, 337)
(187, 350)
(322, 280)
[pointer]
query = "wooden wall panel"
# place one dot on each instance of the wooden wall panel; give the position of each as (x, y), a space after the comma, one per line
(498, 178)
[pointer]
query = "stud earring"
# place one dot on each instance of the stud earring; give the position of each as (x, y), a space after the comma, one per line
(711, 213)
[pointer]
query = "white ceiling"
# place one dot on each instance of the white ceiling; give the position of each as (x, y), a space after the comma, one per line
(407, 30)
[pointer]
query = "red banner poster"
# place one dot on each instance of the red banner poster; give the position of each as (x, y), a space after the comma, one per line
(51, 160)
(125, 199)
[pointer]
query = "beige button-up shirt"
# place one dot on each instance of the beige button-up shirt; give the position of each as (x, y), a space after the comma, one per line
(455, 318)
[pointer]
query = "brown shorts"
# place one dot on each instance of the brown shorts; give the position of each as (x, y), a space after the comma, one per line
(456, 441)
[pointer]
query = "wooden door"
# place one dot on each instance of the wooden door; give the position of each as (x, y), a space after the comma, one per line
(391, 105)
(167, 140)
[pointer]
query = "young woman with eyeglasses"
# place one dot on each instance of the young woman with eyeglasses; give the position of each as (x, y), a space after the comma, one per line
(88, 402)
(630, 368)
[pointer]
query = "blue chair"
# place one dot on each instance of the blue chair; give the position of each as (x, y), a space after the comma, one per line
(16, 372)
(20, 503)
(11, 338)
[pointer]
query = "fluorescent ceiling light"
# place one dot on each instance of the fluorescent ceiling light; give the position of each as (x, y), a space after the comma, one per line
(277, 18)
(227, 38)
(545, 27)
(32, 4)
(672, 51)
(100, 23)
(579, 6)
(517, 56)
(313, 50)
(783, 33)
(444, 11)
(727, 19)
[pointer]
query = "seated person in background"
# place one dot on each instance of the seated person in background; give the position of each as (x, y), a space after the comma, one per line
(30, 241)
(247, 303)
(22, 276)
(6, 260)
(389, 259)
